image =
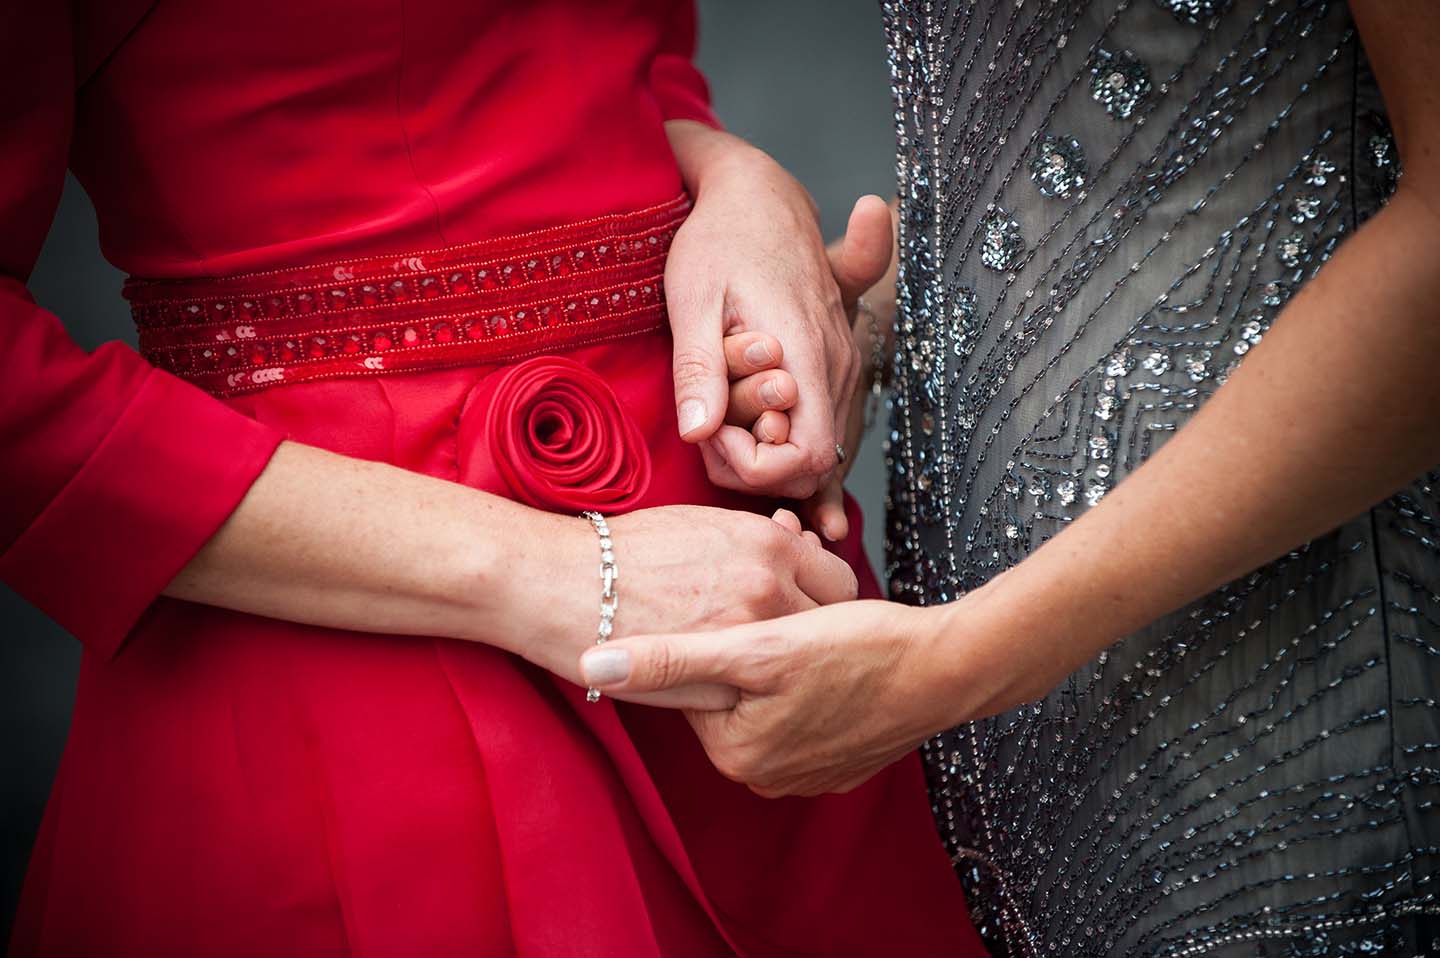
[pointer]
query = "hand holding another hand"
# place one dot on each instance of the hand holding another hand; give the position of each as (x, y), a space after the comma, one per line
(827, 698)
(681, 568)
(830, 696)
(750, 259)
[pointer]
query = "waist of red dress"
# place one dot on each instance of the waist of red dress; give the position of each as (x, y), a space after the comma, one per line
(494, 301)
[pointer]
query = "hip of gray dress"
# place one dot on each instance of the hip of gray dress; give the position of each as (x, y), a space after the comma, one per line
(1104, 207)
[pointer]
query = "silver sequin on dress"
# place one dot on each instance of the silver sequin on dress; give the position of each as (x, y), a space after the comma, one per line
(1104, 207)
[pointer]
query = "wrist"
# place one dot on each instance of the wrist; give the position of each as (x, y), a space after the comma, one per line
(994, 654)
(704, 154)
(517, 554)
(715, 160)
(943, 671)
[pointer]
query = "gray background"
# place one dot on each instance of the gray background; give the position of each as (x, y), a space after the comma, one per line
(804, 79)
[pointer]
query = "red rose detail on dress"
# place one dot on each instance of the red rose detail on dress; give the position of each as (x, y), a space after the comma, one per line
(549, 432)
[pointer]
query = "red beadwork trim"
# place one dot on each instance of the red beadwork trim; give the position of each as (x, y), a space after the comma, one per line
(488, 302)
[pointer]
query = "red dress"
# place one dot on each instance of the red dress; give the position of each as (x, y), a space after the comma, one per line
(351, 219)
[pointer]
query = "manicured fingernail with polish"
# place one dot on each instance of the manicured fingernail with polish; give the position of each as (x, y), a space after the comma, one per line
(692, 416)
(758, 353)
(602, 667)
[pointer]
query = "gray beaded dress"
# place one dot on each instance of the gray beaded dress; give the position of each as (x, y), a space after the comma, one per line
(1104, 206)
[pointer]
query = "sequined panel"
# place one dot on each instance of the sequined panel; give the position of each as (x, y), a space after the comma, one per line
(1105, 205)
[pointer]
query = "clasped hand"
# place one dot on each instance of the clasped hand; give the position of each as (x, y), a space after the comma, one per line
(798, 696)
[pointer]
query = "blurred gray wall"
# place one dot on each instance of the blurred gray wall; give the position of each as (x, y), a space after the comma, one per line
(804, 79)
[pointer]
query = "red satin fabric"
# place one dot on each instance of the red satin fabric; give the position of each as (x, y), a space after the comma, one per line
(328, 792)
(239, 786)
(551, 433)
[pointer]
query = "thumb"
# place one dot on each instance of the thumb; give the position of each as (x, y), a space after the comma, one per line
(654, 663)
(861, 258)
(702, 385)
(826, 510)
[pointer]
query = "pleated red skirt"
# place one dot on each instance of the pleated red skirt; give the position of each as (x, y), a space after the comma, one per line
(235, 785)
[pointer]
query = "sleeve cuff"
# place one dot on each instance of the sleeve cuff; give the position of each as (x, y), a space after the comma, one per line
(163, 480)
(681, 90)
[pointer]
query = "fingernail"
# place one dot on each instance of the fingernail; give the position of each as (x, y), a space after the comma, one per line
(758, 353)
(692, 416)
(770, 394)
(605, 666)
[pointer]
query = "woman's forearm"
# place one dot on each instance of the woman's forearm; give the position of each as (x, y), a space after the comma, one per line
(328, 540)
(1335, 410)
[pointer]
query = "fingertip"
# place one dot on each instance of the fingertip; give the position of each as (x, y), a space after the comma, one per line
(867, 215)
(788, 520)
(751, 351)
(869, 242)
(693, 418)
(772, 427)
(870, 201)
(765, 351)
(606, 666)
(782, 470)
(776, 389)
(777, 348)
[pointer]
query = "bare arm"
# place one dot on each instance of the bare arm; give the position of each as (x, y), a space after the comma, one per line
(329, 540)
(1348, 379)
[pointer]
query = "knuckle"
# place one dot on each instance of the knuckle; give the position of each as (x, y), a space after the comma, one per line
(760, 588)
(800, 487)
(776, 540)
(725, 477)
(690, 293)
(664, 665)
(810, 340)
(692, 365)
(748, 765)
(822, 460)
(730, 764)
(856, 363)
(758, 661)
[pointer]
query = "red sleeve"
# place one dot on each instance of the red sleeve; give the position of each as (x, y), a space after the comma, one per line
(674, 79)
(115, 473)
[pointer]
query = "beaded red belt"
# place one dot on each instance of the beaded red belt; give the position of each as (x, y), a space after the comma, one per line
(493, 301)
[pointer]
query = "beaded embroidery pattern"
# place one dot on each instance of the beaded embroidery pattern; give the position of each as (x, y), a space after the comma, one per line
(1104, 206)
(496, 300)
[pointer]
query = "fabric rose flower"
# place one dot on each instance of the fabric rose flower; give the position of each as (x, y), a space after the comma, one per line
(549, 432)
